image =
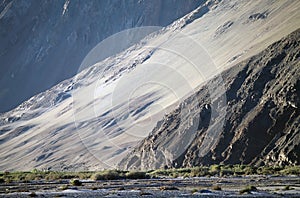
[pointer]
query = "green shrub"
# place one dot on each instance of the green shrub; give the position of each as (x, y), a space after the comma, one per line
(266, 170)
(8, 180)
(84, 175)
(291, 170)
(288, 187)
(215, 168)
(64, 187)
(97, 176)
(120, 188)
(199, 171)
(248, 189)
(75, 182)
(175, 175)
(53, 176)
(163, 188)
(226, 172)
(249, 170)
(107, 175)
(183, 170)
(238, 169)
(136, 175)
(216, 187)
(160, 172)
(30, 177)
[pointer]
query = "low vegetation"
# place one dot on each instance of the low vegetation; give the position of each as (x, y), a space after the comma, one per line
(216, 188)
(162, 188)
(201, 171)
(226, 170)
(8, 177)
(75, 182)
(63, 187)
(117, 174)
(288, 187)
(108, 175)
(136, 175)
(248, 189)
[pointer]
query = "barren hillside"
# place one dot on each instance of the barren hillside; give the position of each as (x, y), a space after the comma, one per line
(95, 118)
(261, 123)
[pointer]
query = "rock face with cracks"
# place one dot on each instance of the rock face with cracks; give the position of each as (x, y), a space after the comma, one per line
(257, 124)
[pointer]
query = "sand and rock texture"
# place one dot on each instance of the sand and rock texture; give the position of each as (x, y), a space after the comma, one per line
(262, 186)
(92, 120)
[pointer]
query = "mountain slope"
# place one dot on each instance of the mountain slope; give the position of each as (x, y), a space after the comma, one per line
(44, 42)
(262, 120)
(92, 120)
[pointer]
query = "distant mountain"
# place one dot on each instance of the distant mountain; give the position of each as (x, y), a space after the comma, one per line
(44, 42)
(261, 123)
(95, 118)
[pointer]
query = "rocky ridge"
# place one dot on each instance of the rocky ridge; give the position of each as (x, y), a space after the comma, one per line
(257, 124)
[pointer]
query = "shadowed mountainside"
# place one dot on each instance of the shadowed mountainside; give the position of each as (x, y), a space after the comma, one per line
(44, 42)
(261, 125)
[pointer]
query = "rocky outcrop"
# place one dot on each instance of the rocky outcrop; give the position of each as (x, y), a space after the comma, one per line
(255, 121)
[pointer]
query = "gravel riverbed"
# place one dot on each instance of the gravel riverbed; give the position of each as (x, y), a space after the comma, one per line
(264, 186)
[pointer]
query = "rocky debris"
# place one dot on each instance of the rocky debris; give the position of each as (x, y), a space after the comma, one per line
(164, 187)
(257, 16)
(203, 9)
(223, 28)
(260, 125)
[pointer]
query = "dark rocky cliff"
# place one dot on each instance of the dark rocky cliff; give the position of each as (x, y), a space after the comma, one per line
(261, 123)
(44, 42)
